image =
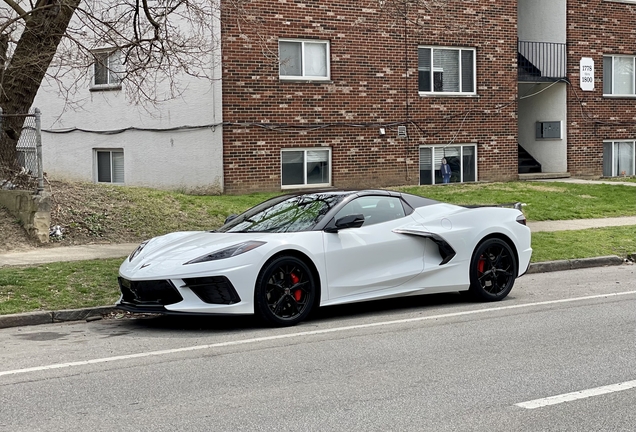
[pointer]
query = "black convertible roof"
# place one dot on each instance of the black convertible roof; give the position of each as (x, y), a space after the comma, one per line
(414, 201)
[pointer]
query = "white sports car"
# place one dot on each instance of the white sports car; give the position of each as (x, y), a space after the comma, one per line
(295, 252)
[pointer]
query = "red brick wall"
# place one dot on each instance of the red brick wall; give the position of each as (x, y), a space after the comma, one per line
(596, 28)
(374, 82)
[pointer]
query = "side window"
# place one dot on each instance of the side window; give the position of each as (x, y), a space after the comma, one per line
(449, 71)
(618, 75)
(304, 59)
(376, 209)
(106, 70)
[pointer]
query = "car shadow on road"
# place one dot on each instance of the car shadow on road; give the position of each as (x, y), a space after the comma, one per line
(396, 305)
(384, 307)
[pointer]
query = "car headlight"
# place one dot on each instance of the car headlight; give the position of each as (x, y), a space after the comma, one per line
(138, 250)
(228, 252)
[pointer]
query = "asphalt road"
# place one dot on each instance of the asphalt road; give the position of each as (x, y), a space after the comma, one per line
(558, 354)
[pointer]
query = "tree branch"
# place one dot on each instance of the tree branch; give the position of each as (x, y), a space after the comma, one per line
(16, 7)
(151, 20)
(23, 16)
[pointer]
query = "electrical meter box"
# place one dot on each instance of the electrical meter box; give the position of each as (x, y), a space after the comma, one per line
(549, 130)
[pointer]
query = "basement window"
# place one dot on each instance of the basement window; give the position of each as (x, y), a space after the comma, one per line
(305, 167)
(462, 160)
(109, 166)
(619, 158)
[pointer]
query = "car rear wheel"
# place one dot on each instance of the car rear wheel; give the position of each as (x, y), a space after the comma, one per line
(493, 270)
(285, 291)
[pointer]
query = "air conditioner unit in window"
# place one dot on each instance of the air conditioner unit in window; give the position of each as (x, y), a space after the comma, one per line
(401, 132)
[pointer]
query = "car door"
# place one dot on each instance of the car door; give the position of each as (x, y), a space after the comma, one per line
(372, 257)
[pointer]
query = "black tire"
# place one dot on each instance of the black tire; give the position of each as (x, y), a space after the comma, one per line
(493, 269)
(285, 291)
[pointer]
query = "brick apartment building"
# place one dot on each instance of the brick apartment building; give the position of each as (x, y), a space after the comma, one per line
(373, 93)
(351, 100)
(602, 122)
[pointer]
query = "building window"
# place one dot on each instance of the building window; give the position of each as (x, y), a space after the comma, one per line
(618, 75)
(462, 160)
(109, 166)
(306, 168)
(106, 70)
(304, 59)
(619, 158)
(446, 70)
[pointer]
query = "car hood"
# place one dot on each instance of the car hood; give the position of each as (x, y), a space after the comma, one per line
(175, 249)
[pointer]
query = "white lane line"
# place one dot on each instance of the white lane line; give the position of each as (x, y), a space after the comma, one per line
(304, 334)
(569, 397)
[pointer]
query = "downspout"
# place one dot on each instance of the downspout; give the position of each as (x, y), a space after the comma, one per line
(406, 90)
(217, 85)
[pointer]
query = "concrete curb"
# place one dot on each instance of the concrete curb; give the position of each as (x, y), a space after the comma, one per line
(35, 318)
(573, 264)
(50, 317)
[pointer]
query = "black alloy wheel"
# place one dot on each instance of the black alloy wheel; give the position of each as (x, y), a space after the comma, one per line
(493, 270)
(285, 291)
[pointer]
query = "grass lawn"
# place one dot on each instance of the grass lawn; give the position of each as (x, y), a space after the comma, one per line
(64, 285)
(621, 179)
(544, 200)
(548, 246)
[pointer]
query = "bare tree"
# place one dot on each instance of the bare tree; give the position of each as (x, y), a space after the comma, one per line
(61, 41)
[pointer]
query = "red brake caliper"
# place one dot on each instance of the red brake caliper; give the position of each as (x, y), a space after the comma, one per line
(480, 265)
(298, 293)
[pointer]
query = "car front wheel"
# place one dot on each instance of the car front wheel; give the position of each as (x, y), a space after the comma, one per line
(285, 291)
(493, 270)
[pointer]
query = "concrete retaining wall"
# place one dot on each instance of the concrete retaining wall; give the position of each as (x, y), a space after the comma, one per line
(33, 211)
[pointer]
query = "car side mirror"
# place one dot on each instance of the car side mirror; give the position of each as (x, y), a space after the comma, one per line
(230, 218)
(348, 221)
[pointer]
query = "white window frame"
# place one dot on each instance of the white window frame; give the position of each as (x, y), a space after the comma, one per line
(96, 151)
(303, 76)
(441, 148)
(613, 94)
(612, 147)
(113, 68)
(305, 185)
(432, 92)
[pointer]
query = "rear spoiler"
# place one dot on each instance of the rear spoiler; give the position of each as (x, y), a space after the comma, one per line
(516, 205)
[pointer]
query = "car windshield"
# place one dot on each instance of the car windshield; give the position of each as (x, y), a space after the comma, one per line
(285, 214)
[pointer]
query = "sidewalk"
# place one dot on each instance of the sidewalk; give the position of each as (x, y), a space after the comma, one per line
(579, 224)
(66, 253)
(584, 181)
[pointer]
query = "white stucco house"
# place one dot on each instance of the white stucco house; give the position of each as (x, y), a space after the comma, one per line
(110, 141)
(96, 134)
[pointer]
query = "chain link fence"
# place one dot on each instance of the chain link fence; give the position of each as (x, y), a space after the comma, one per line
(27, 171)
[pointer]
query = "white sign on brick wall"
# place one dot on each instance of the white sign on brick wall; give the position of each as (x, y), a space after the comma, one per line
(586, 74)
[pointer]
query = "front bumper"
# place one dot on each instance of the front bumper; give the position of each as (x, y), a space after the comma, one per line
(196, 295)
